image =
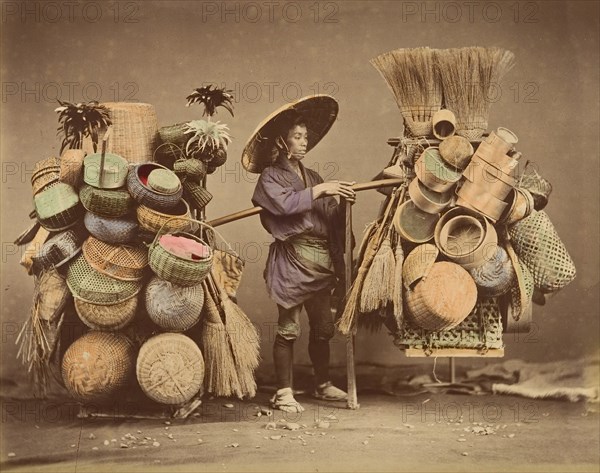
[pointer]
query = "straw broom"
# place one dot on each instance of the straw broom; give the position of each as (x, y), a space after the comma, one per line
(415, 84)
(469, 77)
(346, 323)
(378, 286)
(243, 340)
(220, 376)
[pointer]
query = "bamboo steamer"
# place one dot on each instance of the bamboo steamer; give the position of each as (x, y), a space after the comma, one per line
(520, 205)
(478, 199)
(443, 299)
(98, 365)
(502, 162)
(427, 200)
(413, 224)
(481, 182)
(487, 172)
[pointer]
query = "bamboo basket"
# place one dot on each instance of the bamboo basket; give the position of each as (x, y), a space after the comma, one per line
(71, 166)
(495, 276)
(194, 168)
(418, 263)
(57, 251)
(170, 368)
(111, 230)
(164, 181)
(58, 207)
(172, 307)
(107, 318)
(53, 295)
(126, 263)
(539, 247)
(97, 365)
(92, 286)
(196, 194)
(153, 220)
(443, 299)
(45, 173)
(175, 268)
(107, 203)
(144, 194)
(105, 170)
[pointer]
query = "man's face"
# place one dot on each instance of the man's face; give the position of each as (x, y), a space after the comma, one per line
(297, 141)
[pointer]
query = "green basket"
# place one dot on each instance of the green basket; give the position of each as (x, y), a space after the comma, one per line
(164, 181)
(57, 207)
(107, 203)
(96, 288)
(174, 268)
(191, 167)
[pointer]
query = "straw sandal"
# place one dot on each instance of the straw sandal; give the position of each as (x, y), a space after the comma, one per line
(328, 392)
(284, 401)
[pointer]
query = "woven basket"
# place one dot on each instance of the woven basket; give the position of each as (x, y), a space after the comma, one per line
(164, 181)
(443, 299)
(472, 128)
(126, 263)
(45, 172)
(172, 307)
(194, 168)
(58, 250)
(418, 263)
(495, 276)
(134, 133)
(178, 270)
(58, 207)
(107, 203)
(109, 172)
(53, 294)
(152, 220)
(456, 151)
(433, 171)
(170, 368)
(197, 195)
(98, 365)
(137, 185)
(413, 224)
(71, 166)
(540, 248)
(174, 134)
(106, 317)
(539, 188)
(92, 286)
(111, 230)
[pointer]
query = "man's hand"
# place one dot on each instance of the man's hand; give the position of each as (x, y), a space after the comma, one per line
(341, 188)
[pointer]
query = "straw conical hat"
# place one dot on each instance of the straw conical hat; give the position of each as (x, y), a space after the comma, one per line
(319, 111)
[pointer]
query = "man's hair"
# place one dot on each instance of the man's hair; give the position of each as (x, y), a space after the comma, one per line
(289, 121)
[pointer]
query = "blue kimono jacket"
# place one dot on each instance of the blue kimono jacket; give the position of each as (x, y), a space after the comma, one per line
(290, 211)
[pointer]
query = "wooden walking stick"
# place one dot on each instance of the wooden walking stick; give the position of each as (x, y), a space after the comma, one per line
(352, 401)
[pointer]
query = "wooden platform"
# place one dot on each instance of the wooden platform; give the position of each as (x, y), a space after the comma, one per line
(455, 352)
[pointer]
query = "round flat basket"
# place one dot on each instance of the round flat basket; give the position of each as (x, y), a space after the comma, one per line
(178, 268)
(172, 307)
(92, 286)
(418, 263)
(495, 276)
(137, 184)
(98, 365)
(108, 203)
(153, 220)
(164, 181)
(106, 317)
(443, 299)
(170, 368)
(58, 250)
(413, 224)
(126, 263)
(57, 207)
(111, 230)
(538, 245)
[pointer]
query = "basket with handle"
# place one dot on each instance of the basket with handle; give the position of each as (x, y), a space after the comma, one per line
(170, 368)
(111, 230)
(58, 207)
(123, 262)
(172, 307)
(153, 220)
(178, 269)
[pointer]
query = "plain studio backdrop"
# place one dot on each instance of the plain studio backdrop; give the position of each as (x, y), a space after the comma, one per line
(270, 53)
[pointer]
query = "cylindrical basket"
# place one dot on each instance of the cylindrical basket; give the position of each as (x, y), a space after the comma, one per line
(538, 245)
(442, 299)
(163, 181)
(170, 368)
(111, 230)
(427, 200)
(71, 166)
(137, 184)
(98, 365)
(196, 194)
(152, 220)
(194, 168)
(107, 203)
(123, 262)
(172, 307)
(433, 172)
(106, 317)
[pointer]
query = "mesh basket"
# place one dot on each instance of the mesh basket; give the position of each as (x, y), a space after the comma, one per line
(44, 179)
(106, 317)
(152, 220)
(443, 299)
(137, 180)
(92, 286)
(111, 230)
(126, 263)
(58, 250)
(540, 248)
(418, 263)
(108, 203)
(170, 368)
(97, 365)
(177, 269)
(197, 195)
(172, 307)
(482, 329)
(537, 186)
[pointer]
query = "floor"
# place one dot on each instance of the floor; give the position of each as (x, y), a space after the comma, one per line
(419, 432)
